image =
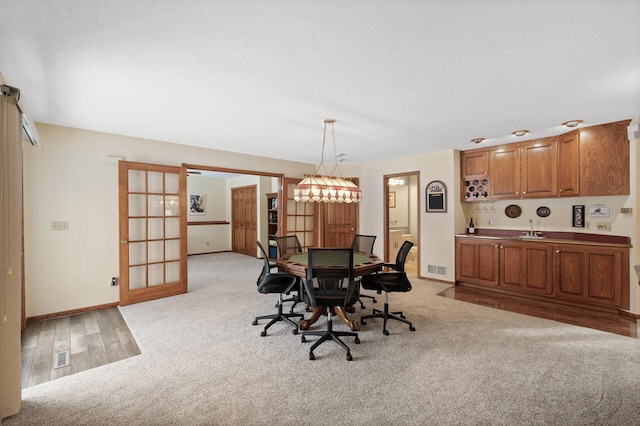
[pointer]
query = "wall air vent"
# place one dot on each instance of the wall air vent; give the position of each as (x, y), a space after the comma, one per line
(437, 270)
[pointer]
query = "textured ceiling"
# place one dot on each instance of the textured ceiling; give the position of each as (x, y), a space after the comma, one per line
(259, 77)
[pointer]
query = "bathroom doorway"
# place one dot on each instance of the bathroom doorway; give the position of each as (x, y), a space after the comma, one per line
(402, 218)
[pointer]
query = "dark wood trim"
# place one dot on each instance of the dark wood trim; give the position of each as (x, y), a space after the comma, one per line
(73, 312)
(627, 314)
(436, 280)
(227, 170)
(211, 252)
(209, 222)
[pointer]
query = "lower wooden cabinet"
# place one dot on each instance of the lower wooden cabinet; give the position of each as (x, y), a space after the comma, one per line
(570, 272)
(477, 261)
(526, 267)
(591, 274)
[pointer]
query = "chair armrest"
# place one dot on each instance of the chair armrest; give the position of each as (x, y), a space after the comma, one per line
(308, 288)
(390, 265)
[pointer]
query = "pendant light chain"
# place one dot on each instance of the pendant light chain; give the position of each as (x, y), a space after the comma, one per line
(327, 187)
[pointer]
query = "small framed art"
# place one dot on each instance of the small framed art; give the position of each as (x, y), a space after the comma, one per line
(392, 199)
(599, 210)
(196, 204)
(578, 216)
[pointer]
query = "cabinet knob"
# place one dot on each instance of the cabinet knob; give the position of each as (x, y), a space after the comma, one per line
(561, 190)
(557, 251)
(523, 192)
(517, 193)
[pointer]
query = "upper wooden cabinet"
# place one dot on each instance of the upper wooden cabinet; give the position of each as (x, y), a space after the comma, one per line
(592, 161)
(604, 159)
(504, 166)
(474, 163)
(569, 164)
(540, 168)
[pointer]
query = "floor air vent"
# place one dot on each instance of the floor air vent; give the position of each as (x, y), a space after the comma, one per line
(61, 359)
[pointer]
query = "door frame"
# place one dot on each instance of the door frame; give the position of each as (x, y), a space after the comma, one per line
(130, 296)
(415, 210)
(280, 176)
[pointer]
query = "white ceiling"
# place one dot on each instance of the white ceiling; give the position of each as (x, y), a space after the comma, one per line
(259, 77)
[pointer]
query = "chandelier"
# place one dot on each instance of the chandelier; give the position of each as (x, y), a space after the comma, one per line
(327, 187)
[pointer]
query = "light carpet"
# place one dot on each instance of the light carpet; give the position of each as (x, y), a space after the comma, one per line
(203, 363)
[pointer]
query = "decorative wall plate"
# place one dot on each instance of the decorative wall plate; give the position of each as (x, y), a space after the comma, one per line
(543, 211)
(513, 211)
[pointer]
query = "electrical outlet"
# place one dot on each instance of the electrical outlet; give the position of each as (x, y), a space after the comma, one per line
(626, 210)
(61, 225)
(114, 281)
(603, 227)
(490, 222)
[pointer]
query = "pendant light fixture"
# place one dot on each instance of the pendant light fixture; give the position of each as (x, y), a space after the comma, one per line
(327, 187)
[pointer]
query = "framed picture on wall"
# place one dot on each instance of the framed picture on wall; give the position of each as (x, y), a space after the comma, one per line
(436, 197)
(392, 199)
(196, 204)
(578, 216)
(599, 210)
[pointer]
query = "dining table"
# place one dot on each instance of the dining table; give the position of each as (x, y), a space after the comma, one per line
(296, 264)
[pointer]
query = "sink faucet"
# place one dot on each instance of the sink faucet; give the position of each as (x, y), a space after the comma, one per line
(531, 225)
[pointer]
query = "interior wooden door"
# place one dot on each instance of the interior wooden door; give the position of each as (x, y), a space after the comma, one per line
(244, 219)
(153, 224)
(339, 224)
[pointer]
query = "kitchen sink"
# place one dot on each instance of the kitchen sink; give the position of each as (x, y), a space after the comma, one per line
(530, 237)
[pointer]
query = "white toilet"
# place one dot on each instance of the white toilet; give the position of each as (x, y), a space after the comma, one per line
(412, 257)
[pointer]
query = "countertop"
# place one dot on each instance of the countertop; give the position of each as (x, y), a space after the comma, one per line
(554, 237)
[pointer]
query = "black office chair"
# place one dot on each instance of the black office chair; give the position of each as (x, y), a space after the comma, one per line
(291, 245)
(389, 281)
(270, 282)
(332, 270)
(288, 245)
(364, 244)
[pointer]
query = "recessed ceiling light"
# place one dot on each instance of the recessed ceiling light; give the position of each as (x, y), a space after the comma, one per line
(572, 123)
(477, 140)
(520, 132)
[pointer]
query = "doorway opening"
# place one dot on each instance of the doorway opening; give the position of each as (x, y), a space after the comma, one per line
(402, 217)
(223, 225)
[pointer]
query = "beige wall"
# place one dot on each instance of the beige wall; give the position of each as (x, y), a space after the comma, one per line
(69, 179)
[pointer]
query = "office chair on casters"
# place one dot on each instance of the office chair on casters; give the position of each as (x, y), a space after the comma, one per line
(364, 244)
(291, 245)
(332, 270)
(389, 282)
(269, 283)
(288, 245)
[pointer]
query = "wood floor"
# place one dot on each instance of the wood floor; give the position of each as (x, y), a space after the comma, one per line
(609, 322)
(92, 339)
